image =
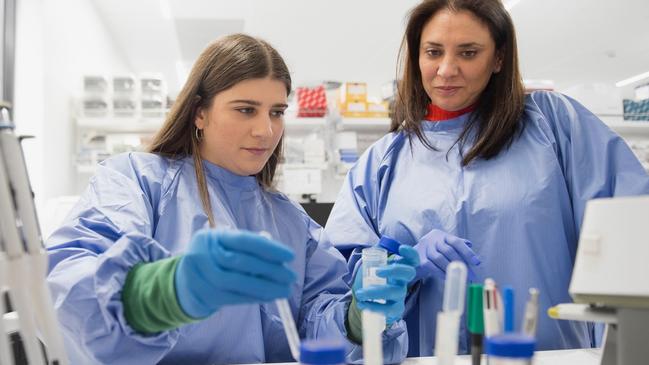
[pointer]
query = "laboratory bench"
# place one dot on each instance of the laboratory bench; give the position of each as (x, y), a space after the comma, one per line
(556, 357)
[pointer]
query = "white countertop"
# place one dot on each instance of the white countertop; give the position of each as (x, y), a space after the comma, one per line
(557, 357)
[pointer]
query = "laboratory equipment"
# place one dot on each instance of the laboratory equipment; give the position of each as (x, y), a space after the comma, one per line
(124, 95)
(509, 349)
(508, 306)
(288, 322)
(491, 306)
(531, 313)
(475, 321)
(153, 95)
(448, 320)
(611, 272)
(373, 323)
(322, 352)
(23, 259)
(95, 96)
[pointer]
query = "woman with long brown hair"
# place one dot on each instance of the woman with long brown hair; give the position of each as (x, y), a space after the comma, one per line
(161, 260)
(476, 171)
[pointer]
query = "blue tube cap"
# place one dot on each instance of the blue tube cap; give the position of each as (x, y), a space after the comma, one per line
(511, 345)
(322, 352)
(390, 244)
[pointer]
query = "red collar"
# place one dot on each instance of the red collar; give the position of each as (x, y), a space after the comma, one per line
(437, 114)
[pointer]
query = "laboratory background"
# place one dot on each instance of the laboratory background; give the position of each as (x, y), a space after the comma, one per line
(95, 78)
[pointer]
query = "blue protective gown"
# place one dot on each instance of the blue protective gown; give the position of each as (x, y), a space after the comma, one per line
(142, 208)
(522, 210)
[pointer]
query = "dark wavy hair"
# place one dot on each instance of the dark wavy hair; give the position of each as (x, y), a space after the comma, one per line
(496, 119)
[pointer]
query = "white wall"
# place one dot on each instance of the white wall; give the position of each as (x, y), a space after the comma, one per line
(29, 95)
(58, 42)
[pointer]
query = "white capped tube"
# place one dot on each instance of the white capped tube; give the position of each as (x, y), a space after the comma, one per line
(373, 323)
(455, 287)
(448, 320)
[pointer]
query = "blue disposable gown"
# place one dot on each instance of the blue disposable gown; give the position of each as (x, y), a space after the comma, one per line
(142, 208)
(522, 209)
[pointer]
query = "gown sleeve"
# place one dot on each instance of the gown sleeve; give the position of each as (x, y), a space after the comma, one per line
(596, 162)
(104, 236)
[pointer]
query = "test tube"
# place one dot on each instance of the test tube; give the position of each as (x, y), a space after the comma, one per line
(531, 313)
(455, 287)
(286, 316)
(448, 320)
(373, 323)
(289, 327)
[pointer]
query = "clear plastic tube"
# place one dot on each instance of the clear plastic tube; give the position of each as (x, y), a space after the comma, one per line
(448, 320)
(289, 327)
(373, 323)
(286, 316)
(455, 287)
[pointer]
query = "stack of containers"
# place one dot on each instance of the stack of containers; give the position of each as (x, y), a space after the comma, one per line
(124, 96)
(347, 150)
(312, 102)
(95, 96)
(352, 100)
(153, 92)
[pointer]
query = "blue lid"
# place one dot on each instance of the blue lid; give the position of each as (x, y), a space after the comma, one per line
(322, 352)
(390, 244)
(510, 345)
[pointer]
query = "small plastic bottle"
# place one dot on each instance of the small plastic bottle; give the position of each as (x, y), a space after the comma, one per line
(510, 349)
(322, 352)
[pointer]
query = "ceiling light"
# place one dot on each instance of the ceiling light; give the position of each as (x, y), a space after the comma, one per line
(632, 79)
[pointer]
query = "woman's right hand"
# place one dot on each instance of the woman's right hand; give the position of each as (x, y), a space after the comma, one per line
(437, 249)
(231, 267)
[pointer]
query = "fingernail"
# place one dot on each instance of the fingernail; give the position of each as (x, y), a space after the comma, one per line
(468, 243)
(475, 261)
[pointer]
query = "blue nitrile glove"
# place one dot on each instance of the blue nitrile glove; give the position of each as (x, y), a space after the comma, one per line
(437, 249)
(231, 267)
(399, 272)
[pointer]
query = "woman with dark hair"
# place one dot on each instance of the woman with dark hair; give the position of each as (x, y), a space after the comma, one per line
(140, 275)
(471, 156)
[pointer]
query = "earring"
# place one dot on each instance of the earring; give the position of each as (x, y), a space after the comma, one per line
(198, 133)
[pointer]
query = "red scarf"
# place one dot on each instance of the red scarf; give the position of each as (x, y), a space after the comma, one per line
(437, 114)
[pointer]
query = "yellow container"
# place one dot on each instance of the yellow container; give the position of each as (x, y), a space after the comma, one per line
(353, 91)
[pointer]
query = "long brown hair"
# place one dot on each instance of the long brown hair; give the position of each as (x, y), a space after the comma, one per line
(221, 65)
(496, 119)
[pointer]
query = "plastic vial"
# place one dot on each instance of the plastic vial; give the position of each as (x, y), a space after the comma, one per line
(373, 258)
(510, 349)
(322, 352)
(373, 323)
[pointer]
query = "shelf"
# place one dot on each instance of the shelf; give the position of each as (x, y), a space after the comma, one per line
(630, 128)
(302, 166)
(378, 124)
(121, 125)
(304, 124)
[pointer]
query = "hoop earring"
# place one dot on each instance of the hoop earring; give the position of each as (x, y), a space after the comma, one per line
(198, 133)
